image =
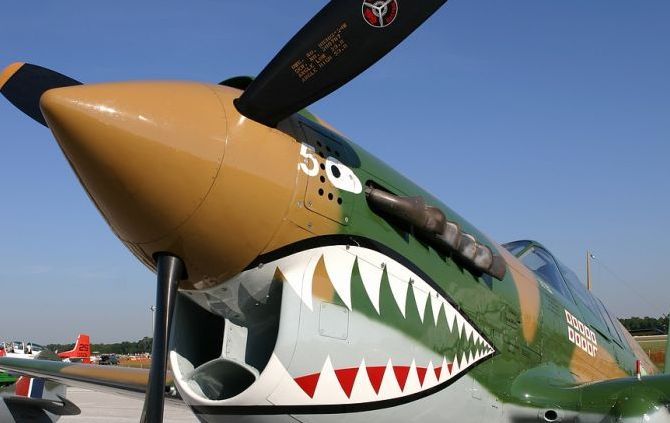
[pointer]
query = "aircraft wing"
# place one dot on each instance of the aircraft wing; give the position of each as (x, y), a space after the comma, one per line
(626, 394)
(543, 387)
(113, 379)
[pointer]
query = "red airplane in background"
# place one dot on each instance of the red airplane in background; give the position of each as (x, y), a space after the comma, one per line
(81, 353)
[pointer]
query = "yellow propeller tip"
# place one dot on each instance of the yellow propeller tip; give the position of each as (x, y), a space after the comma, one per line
(8, 72)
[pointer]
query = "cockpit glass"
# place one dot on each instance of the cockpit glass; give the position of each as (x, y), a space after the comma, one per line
(545, 268)
(516, 247)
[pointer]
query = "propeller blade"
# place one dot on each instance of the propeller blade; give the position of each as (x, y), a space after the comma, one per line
(169, 271)
(23, 84)
(345, 38)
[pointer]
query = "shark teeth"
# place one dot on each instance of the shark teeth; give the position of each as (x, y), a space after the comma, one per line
(363, 383)
(339, 265)
(371, 275)
(421, 297)
(331, 274)
(399, 289)
(372, 265)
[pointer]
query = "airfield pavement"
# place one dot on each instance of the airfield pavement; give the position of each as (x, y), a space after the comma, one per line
(106, 408)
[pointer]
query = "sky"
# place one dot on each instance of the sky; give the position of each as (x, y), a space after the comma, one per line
(533, 119)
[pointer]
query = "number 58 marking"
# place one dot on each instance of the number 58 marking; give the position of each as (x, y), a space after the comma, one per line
(338, 174)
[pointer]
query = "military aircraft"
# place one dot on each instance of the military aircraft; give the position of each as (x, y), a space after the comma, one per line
(22, 349)
(299, 278)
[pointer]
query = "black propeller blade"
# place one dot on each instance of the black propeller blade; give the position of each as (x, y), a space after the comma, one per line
(23, 84)
(345, 38)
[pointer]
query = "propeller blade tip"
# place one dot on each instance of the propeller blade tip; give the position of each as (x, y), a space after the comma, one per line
(8, 72)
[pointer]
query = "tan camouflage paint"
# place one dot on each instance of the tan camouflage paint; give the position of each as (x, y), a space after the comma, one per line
(322, 287)
(529, 295)
(590, 369)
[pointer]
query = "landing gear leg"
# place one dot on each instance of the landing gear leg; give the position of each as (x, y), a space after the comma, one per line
(169, 271)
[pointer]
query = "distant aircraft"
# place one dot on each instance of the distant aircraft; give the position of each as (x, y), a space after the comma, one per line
(30, 350)
(22, 349)
(299, 278)
(81, 351)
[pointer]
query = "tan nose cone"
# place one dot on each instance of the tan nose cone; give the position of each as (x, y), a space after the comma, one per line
(147, 153)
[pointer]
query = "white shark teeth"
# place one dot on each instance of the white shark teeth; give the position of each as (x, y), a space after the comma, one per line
(468, 329)
(360, 384)
(421, 296)
(328, 389)
(451, 314)
(299, 277)
(339, 265)
(430, 378)
(398, 280)
(362, 391)
(445, 370)
(436, 304)
(371, 275)
(460, 321)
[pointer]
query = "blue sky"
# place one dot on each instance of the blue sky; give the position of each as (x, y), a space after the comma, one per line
(533, 119)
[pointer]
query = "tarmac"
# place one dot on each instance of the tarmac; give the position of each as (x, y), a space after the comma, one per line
(97, 407)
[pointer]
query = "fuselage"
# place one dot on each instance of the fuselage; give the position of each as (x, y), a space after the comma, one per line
(301, 299)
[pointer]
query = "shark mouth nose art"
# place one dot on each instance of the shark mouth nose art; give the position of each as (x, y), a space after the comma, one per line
(370, 332)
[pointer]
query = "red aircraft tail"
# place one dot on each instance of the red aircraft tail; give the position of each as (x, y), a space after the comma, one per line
(81, 352)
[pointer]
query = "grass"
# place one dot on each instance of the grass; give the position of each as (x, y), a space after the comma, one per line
(654, 346)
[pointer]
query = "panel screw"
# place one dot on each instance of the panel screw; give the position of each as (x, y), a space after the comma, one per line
(346, 219)
(309, 204)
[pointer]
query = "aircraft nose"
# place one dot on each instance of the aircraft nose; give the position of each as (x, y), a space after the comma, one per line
(146, 153)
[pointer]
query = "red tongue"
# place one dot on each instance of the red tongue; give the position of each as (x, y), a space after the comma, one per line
(308, 383)
(347, 378)
(401, 373)
(376, 375)
(421, 372)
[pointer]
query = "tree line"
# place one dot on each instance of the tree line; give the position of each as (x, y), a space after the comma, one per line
(645, 323)
(124, 348)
